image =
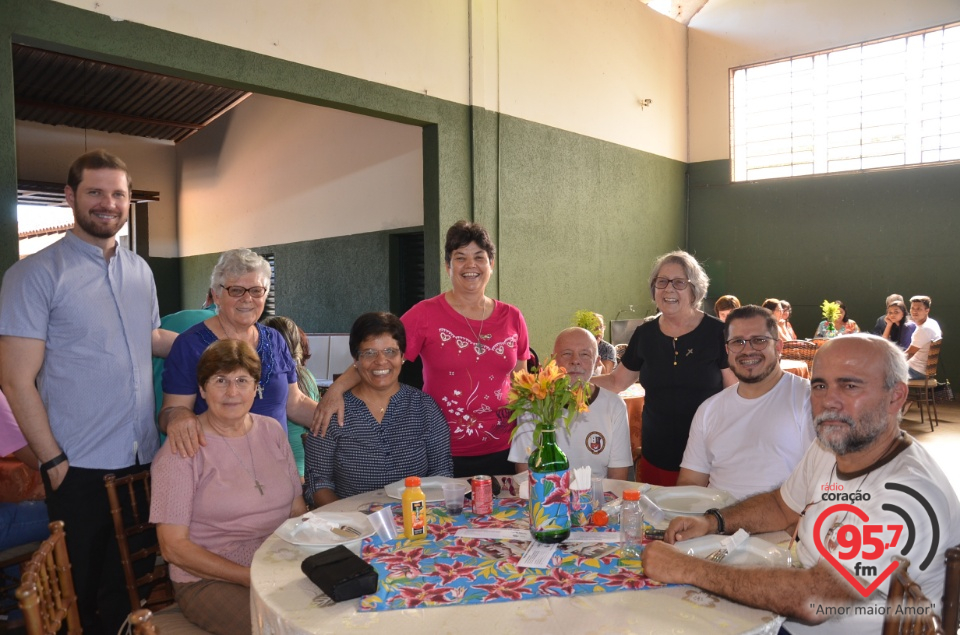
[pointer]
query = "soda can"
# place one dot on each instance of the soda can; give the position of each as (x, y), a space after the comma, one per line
(482, 495)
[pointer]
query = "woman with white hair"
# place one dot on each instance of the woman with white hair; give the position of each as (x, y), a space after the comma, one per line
(240, 282)
(680, 359)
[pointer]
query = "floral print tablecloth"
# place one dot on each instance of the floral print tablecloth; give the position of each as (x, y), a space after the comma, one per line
(445, 570)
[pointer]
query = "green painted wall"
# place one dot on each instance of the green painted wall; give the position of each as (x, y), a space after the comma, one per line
(582, 221)
(856, 237)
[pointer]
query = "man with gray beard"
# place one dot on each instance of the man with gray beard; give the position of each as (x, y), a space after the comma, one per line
(863, 493)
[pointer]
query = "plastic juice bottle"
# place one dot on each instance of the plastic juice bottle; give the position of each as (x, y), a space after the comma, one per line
(414, 509)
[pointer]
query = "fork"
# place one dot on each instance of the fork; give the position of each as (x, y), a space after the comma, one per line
(344, 531)
(718, 555)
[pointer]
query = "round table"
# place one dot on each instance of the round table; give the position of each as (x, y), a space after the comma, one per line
(283, 601)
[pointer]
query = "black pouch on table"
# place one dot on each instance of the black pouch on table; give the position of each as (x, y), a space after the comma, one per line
(340, 574)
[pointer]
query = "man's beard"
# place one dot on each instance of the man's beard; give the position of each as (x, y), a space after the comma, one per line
(861, 435)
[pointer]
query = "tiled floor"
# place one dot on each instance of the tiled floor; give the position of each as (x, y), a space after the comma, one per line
(944, 442)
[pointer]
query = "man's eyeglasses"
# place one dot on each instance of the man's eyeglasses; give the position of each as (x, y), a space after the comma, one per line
(237, 292)
(756, 343)
(370, 354)
(678, 283)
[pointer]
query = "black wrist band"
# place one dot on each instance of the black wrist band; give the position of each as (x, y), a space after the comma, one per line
(52, 463)
(721, 528)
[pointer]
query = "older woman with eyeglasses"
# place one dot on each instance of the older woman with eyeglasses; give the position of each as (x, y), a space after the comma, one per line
(240, 282)
(391, 430)
(680, 359)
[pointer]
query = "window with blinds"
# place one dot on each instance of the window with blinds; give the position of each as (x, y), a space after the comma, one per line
(880, 104)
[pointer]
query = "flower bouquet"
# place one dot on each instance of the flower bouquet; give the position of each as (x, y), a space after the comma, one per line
(548, 396)
(831, 313)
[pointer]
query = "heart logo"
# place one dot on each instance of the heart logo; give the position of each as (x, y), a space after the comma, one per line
(862, 515)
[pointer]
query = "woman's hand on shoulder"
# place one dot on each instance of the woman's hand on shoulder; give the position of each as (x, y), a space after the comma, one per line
(184, 433)
(329, 405)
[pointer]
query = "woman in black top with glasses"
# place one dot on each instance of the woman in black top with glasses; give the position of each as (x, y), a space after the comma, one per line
(680, 359)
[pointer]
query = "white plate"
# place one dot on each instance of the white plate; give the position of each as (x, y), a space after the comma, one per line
(688, 500)
(754, 551)
(292, 532)
(432, 487)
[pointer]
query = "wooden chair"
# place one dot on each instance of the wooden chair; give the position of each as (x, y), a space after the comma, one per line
(141, 621)
(801, 350)
(950, 613)
(46, 594)
(136, 488)
(921, 390)
(907, 596)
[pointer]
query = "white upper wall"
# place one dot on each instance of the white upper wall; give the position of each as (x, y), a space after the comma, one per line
(275, 171)
(45, 153)
(730, 33)
(585, 65)
(577, 65)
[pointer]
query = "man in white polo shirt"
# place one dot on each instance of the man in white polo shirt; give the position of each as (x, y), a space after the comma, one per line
(748, 437)
(927, 331)
(599, 438)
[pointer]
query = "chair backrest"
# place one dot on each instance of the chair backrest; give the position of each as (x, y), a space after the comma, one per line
(950, 614)
(141, 621)
(800, 350)
(933, 357)
(134, 526)
(46, 594)
(908, 609)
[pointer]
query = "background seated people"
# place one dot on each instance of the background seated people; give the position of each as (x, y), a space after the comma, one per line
(769, 407)
(859, 385)
(600, 437)
(786, 310)
(897, 325)
(927, 330)
(214, 509)
(843, 324)
(723, 306)
(299, 347)
(882, 320)
(392, 430)
(773, 305)
(240, 282)
(679, 358)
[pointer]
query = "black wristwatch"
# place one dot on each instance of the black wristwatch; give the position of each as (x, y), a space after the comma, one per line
(52, 463)
(721, 528)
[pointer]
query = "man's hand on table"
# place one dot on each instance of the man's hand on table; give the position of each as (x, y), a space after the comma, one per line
(687, 527)
(665, 563)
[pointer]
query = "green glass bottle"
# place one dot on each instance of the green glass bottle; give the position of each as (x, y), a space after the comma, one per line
(549, 504)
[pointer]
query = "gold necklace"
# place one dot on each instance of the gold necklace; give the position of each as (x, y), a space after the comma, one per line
(253, 473)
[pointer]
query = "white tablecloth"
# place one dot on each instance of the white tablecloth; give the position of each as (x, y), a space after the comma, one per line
(285, 602)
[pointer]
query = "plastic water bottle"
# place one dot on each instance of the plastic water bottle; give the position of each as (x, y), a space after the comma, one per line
(631, 526)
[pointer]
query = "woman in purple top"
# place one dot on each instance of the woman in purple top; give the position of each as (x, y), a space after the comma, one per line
(240, 282)
(213, 510)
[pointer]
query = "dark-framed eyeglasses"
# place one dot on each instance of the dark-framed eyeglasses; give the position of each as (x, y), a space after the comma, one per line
(678, 283)
(237, 291)
(756, 343)
(371, 354)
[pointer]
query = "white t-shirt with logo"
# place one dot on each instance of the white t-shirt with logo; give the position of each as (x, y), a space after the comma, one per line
(599, 438)
(814, 488)
(749, 446)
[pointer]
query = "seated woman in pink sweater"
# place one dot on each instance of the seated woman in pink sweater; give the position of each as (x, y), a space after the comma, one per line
(214, 509)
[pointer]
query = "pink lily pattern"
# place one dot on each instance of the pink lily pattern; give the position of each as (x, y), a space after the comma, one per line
(445, 570)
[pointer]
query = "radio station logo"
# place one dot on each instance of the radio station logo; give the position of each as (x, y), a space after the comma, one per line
(860, 547)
